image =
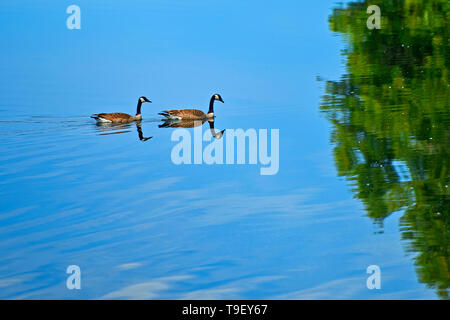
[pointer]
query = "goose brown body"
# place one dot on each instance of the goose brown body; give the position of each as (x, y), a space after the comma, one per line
(185, 114)
(117, 117)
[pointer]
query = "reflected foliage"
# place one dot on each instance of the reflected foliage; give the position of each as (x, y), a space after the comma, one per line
(390, 117)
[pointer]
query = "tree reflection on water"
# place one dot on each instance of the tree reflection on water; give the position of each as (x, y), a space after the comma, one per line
(390, 116)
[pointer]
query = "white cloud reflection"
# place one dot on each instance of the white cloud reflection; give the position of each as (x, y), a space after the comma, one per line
(144, 290)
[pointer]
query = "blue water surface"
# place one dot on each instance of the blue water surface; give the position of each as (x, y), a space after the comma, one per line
(141, 227)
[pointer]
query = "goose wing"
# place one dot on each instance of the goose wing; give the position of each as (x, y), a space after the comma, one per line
(115, 116)
(184, 113)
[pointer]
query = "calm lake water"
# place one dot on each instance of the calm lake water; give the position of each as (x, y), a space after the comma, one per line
(364, 140)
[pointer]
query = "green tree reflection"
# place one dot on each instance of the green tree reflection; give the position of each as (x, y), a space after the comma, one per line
(390, 115)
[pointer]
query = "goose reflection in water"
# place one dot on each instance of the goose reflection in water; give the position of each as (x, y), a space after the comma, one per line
(116, 128)
(179, 123)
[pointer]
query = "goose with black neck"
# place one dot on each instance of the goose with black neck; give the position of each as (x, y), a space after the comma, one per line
(193, 114)
(120, 117)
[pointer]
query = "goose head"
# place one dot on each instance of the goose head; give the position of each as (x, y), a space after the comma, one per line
(218, 97)
(143, 99)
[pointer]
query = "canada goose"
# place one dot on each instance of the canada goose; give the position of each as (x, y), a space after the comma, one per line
(120, 117)
(193, 114)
